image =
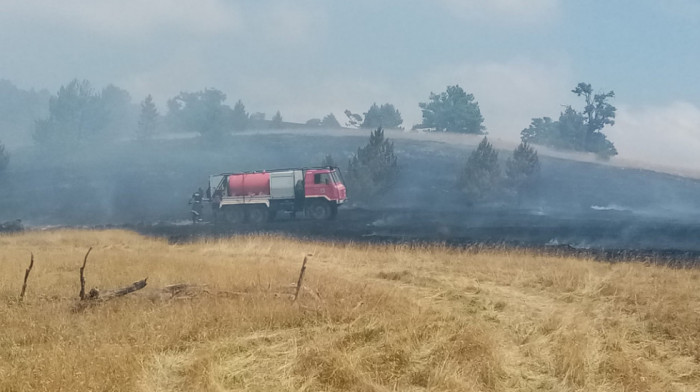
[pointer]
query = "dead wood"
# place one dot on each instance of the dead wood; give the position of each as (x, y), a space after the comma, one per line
(111, 294)
(82, 275)
(301, 279)
(184, 290)
(26, 276)
(95, 296)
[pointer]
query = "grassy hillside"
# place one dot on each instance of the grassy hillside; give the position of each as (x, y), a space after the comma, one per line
(371, 318)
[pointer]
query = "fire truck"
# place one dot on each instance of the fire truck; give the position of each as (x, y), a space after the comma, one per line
(257, 197)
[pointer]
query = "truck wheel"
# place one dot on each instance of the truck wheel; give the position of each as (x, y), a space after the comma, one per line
(234, 215)
(257, 215)
(319, 210)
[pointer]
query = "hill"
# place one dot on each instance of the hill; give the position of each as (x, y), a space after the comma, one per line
(147, 184)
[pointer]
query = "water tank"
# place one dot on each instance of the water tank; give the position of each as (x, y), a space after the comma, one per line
(249, 184)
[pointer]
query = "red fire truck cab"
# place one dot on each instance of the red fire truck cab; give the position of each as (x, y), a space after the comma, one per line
(258, 196)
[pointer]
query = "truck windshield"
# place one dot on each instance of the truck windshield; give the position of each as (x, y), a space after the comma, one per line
(336, 177)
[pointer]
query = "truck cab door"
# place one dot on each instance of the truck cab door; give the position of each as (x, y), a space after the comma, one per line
(317, 184)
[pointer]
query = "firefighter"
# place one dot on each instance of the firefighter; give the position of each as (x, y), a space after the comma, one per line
(216, 204)
(298, 198)
(196, 202)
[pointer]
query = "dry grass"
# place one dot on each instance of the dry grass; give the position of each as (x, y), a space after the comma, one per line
(374, 318)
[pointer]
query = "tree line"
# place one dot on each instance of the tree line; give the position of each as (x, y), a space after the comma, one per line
(78, 114)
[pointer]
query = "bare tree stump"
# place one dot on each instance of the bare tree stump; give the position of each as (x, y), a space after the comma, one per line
(82, 276)
(26, 276)
(301, 278)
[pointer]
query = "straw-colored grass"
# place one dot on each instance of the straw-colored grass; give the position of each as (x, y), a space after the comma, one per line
(373, 318)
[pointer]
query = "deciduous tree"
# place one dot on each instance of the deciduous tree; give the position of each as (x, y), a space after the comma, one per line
(77, 114)
(577, 131)
(385, 116)
(203, 112)
(453, 111)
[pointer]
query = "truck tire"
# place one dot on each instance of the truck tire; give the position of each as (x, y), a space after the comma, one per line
(234, 215)
(257, 215)
(319, 210)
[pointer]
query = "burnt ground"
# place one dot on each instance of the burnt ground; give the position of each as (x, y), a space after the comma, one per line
(603, 237)
(575, 207)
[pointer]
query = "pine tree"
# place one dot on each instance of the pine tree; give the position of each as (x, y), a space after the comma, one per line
(239, 117)
(374, 167)
(277, 120)
(330, 121)
(523, 167)
(4, 158)
(328, 161)
(148, 119)
(482, 173)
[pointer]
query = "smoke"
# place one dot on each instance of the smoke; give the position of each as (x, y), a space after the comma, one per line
(143, 183)
(666, 136)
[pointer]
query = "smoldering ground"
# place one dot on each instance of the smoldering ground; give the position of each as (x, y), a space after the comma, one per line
(146, 185)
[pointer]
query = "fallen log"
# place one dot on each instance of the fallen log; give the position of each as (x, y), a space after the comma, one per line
(96, 295)
(184, 290)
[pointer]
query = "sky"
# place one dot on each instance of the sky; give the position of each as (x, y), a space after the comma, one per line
(308, 58)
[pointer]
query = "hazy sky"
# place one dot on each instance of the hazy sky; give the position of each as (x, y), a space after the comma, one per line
(306, 58)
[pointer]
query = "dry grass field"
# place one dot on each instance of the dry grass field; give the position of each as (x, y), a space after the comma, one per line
(370, 318)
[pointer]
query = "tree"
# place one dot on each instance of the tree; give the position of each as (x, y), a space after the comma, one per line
(354, 120)
(277, 120)
(19, 109)
(598, 111)
(523, 167)
(385, 116)
(76, 115)
(541, 131)
(257, 116)
(313, 122)
(452, 111)
(203, 112)
(577, 131)
(482, 174)
(5, 158)
(329, 121)
(374, 167)
(328, 161)
(148, 119)
(239, 117)
(117, 112)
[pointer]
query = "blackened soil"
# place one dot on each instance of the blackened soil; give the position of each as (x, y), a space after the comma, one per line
(605, 236)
